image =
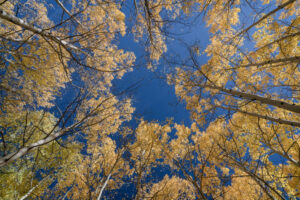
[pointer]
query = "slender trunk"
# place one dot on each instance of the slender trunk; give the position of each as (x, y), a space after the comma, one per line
(15, 20)
(31, 190)
(266, 16)
(103, 187)
(278, 40)
(22, 151)
(277, 120)
(65, 196)
(295, 59)
(277, 103)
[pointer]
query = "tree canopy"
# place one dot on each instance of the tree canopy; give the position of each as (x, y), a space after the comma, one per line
(67, 133)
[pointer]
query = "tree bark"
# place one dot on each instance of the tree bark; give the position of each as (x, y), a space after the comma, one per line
(277, 103)
(103, 187)
(22, 151)
(277, 120)
(15, 20)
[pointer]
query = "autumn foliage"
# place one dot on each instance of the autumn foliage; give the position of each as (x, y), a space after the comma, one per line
(62, 132)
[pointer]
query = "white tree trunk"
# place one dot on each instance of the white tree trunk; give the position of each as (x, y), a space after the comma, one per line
(15, 20)
(277, 103)
(21, 152)
(103, 187)
(31, 190)
(277, 120)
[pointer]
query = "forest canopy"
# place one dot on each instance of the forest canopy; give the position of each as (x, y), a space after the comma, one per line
(66, 132)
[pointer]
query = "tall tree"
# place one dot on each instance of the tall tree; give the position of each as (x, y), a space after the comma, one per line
(254, 74)
(247, 94)
(43, 58)
(41, 54)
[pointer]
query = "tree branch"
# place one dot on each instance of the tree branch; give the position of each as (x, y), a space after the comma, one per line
(64, 8)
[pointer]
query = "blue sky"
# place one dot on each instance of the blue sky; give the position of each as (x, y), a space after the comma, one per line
(153, 98)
